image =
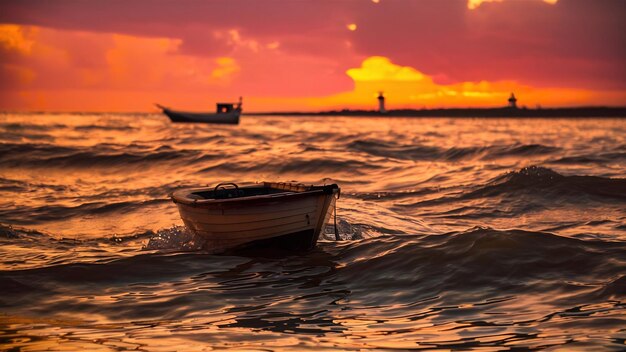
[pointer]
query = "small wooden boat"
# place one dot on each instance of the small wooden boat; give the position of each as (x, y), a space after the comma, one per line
(285, 215)
(226, 113)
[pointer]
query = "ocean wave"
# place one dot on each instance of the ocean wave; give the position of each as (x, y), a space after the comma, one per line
(26, 215)
(393, 150)
(389, 195)
(102, 155)
(294, 165)
(486, 259)
(10, 232)
(19, 186)
(493, 285)
(424, 152)
(598, 158)
(614, 289)
(145, 266)
(549, 183)
(19, 127)
(542, 185)
(89, 128)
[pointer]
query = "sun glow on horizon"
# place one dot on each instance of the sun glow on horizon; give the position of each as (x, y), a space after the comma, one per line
(474, 4)
(406, 87)
(379, 68)
(66, 70)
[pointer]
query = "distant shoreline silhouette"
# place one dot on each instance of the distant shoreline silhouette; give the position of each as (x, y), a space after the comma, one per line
(600, 111)
(591, 111)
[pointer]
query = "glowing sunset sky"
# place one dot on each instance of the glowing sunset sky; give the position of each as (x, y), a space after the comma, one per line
(124, 55)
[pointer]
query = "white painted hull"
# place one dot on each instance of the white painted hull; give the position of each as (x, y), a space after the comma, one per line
(230, 223)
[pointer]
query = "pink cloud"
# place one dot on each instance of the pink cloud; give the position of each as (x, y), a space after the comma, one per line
(291, 48)
(571, 43)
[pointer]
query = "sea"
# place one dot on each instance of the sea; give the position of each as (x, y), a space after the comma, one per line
(469, 234)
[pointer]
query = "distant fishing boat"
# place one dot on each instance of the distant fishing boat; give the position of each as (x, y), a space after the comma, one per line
(226, 113)
(286, 215)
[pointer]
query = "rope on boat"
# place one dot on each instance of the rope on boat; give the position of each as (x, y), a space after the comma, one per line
(337, 238)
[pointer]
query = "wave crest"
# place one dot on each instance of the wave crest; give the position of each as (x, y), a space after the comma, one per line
(547, 182)
(424, 152)
(483, 258)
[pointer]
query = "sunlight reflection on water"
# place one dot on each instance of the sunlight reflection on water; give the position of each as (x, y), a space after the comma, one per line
(462, 234)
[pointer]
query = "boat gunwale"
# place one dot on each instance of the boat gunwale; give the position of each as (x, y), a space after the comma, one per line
(177, 198)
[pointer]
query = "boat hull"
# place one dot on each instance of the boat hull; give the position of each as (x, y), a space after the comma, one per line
(291, 220)
(228, 118)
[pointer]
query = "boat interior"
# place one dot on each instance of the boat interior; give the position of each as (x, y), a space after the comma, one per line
(231, 190)
(228, 190)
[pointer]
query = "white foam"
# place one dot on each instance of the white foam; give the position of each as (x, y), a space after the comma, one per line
(175, 238)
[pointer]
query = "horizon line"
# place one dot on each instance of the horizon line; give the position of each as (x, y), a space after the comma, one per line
(304, 112)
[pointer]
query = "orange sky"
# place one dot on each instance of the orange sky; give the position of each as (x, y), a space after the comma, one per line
(75, 56)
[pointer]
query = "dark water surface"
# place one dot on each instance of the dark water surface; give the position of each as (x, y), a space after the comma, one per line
(458, 234)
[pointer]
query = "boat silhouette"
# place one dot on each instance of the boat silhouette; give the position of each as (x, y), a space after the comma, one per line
(226, 113)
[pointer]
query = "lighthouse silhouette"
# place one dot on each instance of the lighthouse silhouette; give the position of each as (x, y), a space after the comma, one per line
(381, 103)
(512, 101)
